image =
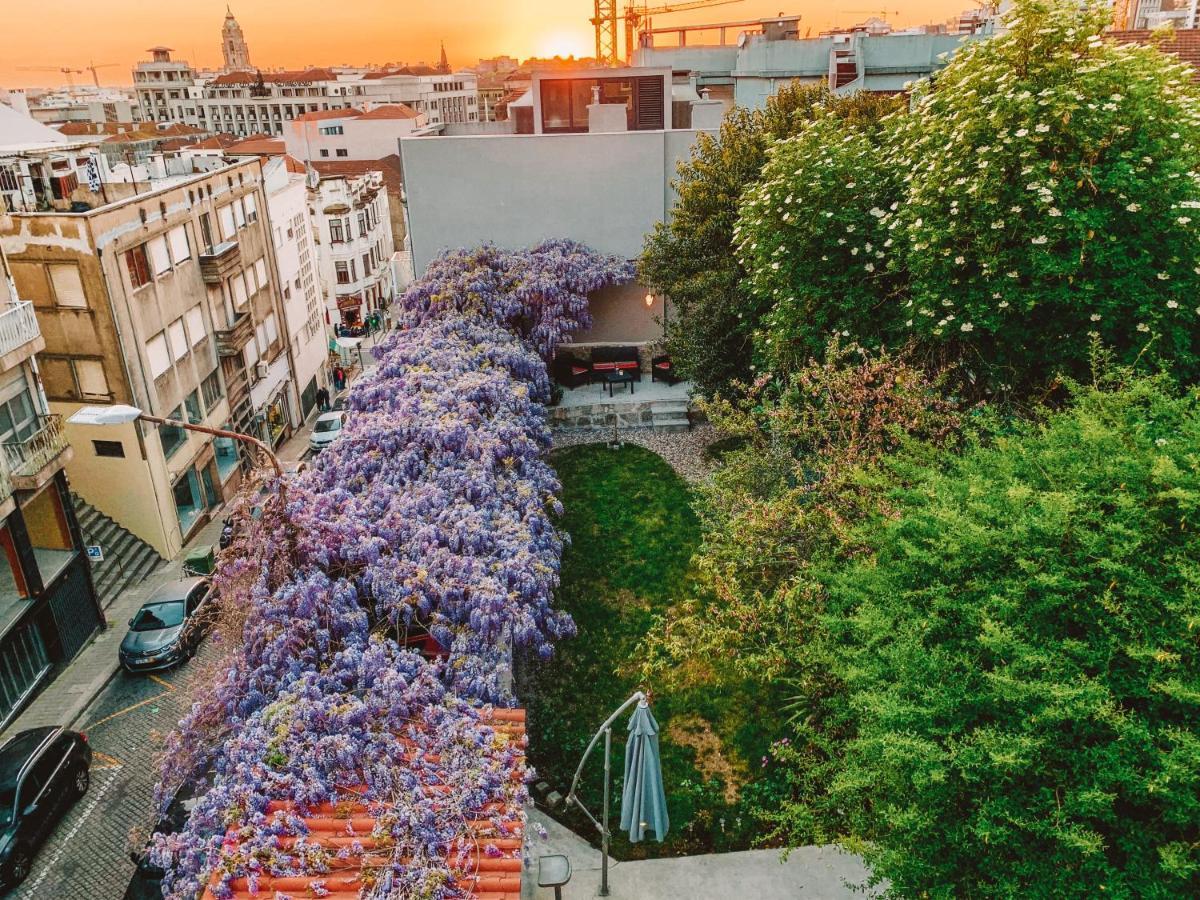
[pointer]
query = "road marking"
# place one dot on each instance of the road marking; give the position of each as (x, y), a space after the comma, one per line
(166, 684)
(128, 709)
(66, 840)
(110, 761)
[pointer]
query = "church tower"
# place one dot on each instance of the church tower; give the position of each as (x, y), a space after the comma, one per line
(233, 44)
(444, 62)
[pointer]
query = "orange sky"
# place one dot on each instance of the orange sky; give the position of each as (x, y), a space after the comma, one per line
(298, 32)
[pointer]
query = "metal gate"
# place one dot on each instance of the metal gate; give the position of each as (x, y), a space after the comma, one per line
(75, 613)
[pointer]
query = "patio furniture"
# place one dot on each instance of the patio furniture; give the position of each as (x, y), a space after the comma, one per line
(619, 359)
(571, 372)
(554, 871)
(613, 378)
(662, 369)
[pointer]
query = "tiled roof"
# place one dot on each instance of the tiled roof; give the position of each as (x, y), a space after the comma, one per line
(154, 133)
(216, 142)
(258, 145)
(404, 70)
(343, 825)
(1183, 43)
(350, 113)
(294, 165)
(391, 111)
(389, 166)
(275, 77)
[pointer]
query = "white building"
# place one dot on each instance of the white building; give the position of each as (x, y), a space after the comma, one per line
(352, 133)
(296, 257)
(166, 89)
(353, 232)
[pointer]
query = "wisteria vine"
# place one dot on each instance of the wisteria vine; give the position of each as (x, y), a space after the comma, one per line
(432, 514)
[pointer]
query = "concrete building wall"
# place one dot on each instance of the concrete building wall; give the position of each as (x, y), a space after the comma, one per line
(360, 138)
(620, 315)
(604, 190)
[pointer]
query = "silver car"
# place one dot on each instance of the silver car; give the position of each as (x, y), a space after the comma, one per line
(326, 430)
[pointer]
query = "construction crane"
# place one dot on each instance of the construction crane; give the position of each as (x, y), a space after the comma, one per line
(636, 17)
(66, 71)
(94, 66)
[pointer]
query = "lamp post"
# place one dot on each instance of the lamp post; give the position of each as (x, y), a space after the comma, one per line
(122, 415)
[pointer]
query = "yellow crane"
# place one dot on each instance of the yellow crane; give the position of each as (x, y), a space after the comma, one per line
(92, 67)
(636, 17)
(66, 71)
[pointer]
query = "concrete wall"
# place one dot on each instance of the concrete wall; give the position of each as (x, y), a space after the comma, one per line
(361, 138)
(604, 190)
(620, 316)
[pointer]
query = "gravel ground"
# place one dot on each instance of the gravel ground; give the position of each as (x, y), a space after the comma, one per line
(684, 451)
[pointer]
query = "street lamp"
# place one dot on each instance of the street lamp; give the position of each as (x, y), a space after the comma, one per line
(120, 414)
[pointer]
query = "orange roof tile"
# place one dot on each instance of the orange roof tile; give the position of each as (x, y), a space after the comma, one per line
(350, 113)
(293, 165)
(258, 145)
(275, 77)
(389, 167)
(350, 823)
(391, 111)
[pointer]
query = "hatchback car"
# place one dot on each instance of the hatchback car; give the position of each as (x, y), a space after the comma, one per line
(43, 772)
(168, 627)
(326, 429)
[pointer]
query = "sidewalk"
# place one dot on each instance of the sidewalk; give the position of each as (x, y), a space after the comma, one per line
(82, 680)
(810, 873)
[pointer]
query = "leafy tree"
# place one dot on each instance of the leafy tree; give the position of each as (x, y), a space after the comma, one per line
(1020, 648)
(690, 258)
(816, 235)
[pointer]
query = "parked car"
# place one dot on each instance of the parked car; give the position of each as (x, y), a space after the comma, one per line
(326, 429)
(339, 402)
(146, 883)
(168, 627)
(43, 772)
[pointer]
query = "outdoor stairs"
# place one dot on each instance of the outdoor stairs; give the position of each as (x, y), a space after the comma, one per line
(128, 560)
(670, 415)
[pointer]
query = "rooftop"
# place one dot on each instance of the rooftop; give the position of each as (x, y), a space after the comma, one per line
(257, 145)
(285, 77)
(320, 114)
(391, 111)
(1183, 43)
(389, 167)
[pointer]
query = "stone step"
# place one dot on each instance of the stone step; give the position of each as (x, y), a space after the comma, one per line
(666, 405)
(672, 419)
(127, 559)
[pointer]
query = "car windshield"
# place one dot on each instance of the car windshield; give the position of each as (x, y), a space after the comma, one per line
(155, 616)
(324, 426)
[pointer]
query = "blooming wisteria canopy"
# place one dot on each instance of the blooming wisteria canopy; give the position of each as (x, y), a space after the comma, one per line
(431, 514)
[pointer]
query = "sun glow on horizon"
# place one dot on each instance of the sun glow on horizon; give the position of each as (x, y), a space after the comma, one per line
(564, 43)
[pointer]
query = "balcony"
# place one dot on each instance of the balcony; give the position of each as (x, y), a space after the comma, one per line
(20, 336)
(219, 262)
(233, 338)
(33, 461)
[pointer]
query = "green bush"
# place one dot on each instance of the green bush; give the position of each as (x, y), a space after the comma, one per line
(1021, 650)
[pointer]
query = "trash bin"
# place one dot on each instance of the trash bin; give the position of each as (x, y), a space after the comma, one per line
(200, 561)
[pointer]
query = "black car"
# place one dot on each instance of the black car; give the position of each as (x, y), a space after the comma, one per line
(168, 627)
(43, 772)
(146, 883)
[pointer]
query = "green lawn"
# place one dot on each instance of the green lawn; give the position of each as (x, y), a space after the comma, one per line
(633, 532)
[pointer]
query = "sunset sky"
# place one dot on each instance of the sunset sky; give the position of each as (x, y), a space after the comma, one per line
(295, 33)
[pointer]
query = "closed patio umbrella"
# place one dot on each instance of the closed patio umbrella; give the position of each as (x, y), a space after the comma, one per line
(643, 800)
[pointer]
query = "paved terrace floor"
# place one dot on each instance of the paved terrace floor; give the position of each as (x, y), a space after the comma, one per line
(646, 391)
(810, 873)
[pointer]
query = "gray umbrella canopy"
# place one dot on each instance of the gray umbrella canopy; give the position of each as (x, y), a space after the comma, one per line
(643, 801)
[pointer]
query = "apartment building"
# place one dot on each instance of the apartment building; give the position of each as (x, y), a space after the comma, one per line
(165, 300)
(352, 133)
(166, 89)
(48, 605)
(352, 228)
(303, 309)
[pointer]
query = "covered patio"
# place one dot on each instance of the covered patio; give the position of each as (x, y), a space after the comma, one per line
(644, 404)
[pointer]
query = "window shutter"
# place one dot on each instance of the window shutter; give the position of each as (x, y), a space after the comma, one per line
(156, 351)
(68, 288)
(180, 250)
(159, 256)
(179, 343)
(650, 100)
(195, 325)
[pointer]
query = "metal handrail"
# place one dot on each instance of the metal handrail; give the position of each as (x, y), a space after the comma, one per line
(27, 457)
(18, 325)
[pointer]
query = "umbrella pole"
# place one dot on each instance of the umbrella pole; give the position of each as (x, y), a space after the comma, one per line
(604, 831)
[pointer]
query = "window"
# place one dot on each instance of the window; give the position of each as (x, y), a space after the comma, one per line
(160, 257)
(189, 503)
(179, 341)
(210, 388)
(138, 266)
(260, 337)
(324, 152)
(206, 232)
(237, 287)
(68, 288)
(353, 272)
(180, 250)
(191, 404)
(331, 129)
(340, 151)
(172, 436)
(366, 261)
(250, 353)
(343, 272)
(228, 229)
(114, 449)
(336, 234)
(272, 329)
(90, 378)
(27, 663)
(362, 224)
(239, 213)
(251, 208)
(156, 352)
(195, 325)
(226, 452)
(260, 272)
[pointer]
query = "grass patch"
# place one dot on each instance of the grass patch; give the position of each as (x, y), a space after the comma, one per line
(633, 533)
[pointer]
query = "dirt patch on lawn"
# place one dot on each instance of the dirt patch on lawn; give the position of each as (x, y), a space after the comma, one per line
(694, 732)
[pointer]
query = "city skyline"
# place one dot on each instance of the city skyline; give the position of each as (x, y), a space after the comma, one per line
(363, 32)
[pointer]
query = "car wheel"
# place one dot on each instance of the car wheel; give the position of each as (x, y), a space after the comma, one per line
(81, 781)
(18, 866)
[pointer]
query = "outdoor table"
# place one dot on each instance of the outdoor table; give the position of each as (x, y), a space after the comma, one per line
(616, 377)
(554, 871)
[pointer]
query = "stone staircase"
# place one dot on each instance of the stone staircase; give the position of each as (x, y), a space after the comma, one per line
(128, 560)
(670, 415)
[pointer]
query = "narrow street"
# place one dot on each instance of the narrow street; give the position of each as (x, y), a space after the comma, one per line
(87, 858)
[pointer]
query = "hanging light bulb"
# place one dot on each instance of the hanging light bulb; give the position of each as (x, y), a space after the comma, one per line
(649, 299)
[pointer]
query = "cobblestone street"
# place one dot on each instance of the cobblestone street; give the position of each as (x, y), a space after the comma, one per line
(87, 858)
